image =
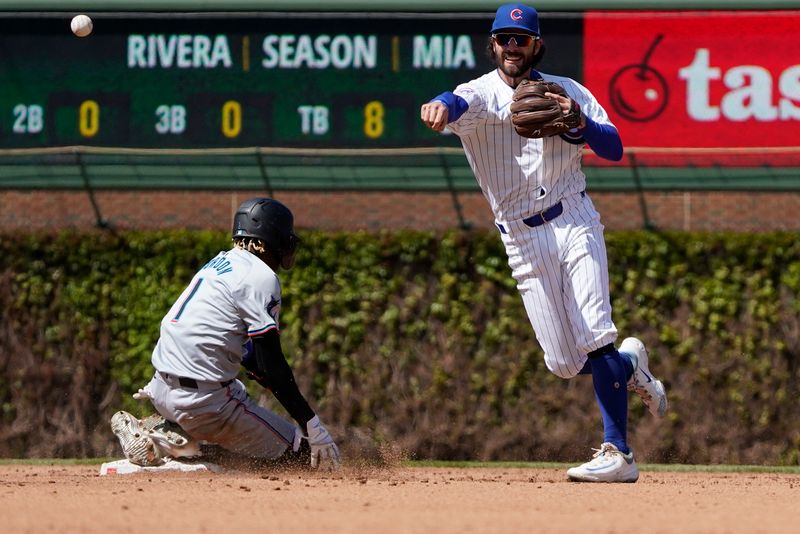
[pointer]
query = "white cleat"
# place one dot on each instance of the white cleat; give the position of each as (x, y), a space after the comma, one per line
(169, 438)
(608, 464)
(153, 440)
(136, 444)
(642, 380)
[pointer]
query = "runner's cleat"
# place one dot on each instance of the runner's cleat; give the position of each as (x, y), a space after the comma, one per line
(136, 444)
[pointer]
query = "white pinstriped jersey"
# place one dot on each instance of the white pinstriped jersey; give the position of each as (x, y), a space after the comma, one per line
(233, 296)
(519, 176)
(561, 267)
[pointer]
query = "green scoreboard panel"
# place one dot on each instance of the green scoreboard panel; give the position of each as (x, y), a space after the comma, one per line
(211, 80)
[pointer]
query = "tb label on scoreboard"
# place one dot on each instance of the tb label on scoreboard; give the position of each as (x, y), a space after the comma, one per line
(314, 119)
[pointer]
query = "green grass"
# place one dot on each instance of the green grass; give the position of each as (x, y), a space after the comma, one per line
(672, 468)
(55, 461)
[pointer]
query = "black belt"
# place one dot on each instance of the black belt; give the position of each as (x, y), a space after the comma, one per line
(192, 383)
(540, 218)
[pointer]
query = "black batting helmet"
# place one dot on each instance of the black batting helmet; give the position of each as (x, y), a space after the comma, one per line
(271, 222)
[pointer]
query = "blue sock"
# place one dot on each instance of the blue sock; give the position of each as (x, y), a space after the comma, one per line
(609, 376)
(626, 361)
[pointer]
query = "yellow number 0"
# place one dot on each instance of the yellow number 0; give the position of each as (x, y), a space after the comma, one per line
(231, 118)
(373, 119)
(89, 118)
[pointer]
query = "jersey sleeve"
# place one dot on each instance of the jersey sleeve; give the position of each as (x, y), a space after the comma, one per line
(258, 299)
(476, 110)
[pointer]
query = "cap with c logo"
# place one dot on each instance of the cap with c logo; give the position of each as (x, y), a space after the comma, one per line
(516, 17)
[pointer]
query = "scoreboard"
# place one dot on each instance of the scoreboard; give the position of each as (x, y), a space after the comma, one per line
(261, 79)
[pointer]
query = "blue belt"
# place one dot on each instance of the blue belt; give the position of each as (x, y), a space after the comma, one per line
(540, 218)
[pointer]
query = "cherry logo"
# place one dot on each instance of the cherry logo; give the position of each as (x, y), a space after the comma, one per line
(638, 92)
(516, 14)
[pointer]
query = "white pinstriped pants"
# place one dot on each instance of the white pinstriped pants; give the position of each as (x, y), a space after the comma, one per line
(561, 271)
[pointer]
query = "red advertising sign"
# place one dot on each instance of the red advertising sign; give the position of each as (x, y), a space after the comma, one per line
(697, 79)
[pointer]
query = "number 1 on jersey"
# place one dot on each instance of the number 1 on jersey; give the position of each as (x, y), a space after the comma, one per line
(194, 289)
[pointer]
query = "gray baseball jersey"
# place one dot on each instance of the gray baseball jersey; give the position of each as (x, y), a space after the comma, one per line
(233, 296)
(560, 267)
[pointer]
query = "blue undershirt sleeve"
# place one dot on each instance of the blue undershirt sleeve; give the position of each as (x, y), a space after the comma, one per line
(456, 106)
(604, 140)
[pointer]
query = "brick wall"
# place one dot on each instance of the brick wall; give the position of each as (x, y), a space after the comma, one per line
(36, 210)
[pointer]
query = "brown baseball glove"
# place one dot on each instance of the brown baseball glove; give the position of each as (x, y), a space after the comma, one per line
(535, 115)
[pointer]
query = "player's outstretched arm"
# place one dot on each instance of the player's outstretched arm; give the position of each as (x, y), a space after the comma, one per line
(269, 367)
(434, 114)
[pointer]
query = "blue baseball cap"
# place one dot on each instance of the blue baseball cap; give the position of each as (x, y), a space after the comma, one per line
(516, 17)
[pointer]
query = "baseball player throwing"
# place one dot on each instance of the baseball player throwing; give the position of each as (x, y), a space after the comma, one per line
(232, 302)
(551, 230)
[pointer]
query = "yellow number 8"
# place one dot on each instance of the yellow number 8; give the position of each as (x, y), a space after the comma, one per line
(373, 119)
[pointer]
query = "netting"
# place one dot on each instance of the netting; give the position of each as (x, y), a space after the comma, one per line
(419, 169)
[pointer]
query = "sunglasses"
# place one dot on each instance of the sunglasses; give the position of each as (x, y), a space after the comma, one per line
(521, 40)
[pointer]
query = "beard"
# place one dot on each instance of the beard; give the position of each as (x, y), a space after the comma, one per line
(514, 70)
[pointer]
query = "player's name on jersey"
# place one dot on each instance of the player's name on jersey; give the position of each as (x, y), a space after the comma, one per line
(299, 51)
(220, 264)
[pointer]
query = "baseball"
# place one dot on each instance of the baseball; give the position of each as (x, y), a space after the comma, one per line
(81, 25)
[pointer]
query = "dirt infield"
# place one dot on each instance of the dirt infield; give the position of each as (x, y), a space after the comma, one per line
(74, 498)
